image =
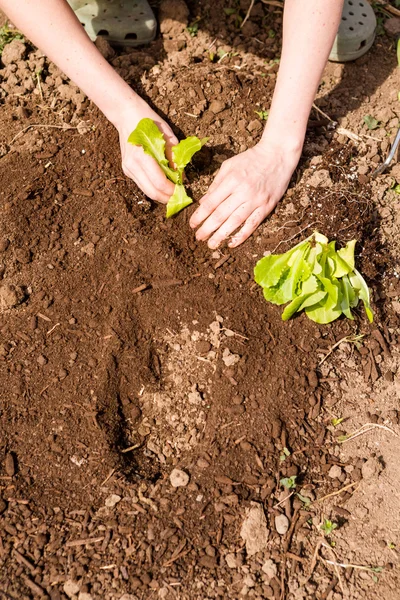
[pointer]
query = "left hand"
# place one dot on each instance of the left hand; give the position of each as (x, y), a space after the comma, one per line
(245, 190)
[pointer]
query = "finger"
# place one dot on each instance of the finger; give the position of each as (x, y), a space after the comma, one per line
(253, 221)
(210, 202)
(149, 177)
(219, 216)
(216, 182)
(236, 219)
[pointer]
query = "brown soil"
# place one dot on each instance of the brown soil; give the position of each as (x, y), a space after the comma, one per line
(128, 349)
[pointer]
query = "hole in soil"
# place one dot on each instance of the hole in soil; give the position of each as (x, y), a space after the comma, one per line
(131, 36)
(103, 32)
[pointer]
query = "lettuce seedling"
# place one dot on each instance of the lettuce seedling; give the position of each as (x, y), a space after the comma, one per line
(152, 141)
(314, 277)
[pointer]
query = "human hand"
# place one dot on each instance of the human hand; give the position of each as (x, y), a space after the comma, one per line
(138, 165)
(245, 190)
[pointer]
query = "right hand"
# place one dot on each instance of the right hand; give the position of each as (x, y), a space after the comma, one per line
(138, 165)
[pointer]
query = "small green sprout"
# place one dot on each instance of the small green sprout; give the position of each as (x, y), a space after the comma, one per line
(263, 114)
(335, 422)
(371, 122)
(284, 454)
(193, 28)
(391, 545)
(328, 526)
(271, 33)
(304, 499)
(289, 482)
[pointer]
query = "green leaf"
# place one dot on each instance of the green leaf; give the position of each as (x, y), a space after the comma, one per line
(269, 270)
(358, 283)
(349, 298)
(178, 200)
(371, 122)
(304, 499)
(347, 253)
(183, 152)
(289, 482)
(325, 311)
(149, 137)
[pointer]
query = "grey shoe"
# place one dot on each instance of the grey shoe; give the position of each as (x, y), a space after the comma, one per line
(356, 31)
(123, 22)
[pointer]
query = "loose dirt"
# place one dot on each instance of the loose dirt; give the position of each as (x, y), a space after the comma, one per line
(151, 400)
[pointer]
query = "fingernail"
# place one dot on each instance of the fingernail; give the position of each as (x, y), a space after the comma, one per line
(212, 245)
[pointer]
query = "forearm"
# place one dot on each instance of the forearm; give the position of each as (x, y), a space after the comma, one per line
(53, 27)
(309, 30)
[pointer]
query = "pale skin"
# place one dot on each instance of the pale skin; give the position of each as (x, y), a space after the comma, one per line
(249, 185)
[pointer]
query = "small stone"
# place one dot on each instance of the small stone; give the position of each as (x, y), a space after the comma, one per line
(231, 561)
(396, 306)
(202, 347)
(85, 596)
(320, 178)
(281, 524)
(9, 465)
(392, 26)
(248, 581)
(62, 373)
(178, 478)
(10, 296)
(202, 463)
(269, 569)
(71, 588)
(254, 126)
(210, 562)
(217, 106)
(23, 256)
(254, 530)
(229, 359)
(335, 472)
(112, 500)
(13, 52)
(371, 468)
(42, 360)
(4, 243)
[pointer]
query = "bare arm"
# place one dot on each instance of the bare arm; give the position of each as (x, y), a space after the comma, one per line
(53, 27)
(248, 186)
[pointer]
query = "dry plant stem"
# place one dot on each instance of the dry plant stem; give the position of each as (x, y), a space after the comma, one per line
(349, 565)
(335, 566)
(337, 492)
(273, 3)
(365, 429)
(321, 112)
(64, 126)
(294, 236)
(346, 338)
(248, 13)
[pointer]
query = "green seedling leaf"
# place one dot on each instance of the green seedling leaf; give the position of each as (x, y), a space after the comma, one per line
(335, 422)
(358, 283)
(178, 201)
(183, 152)
(263, 114)
(328, 526)
(150, 138)
(304, 499)
(289, 482)
(371, 122)
(397, 188)
(284, 454)
(230, 11)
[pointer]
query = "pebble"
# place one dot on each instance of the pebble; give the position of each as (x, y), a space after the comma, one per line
(254, 531)
(202, 463)
(178, 478)
(42, 360)
(71, 588)
(202, 347)
(269, 569)
(230, 559)
(217, 106)
(9, 465)
(281, 524)
(210, 562)
(10, 296)
(4, 243)
(112, 500)
(335, 472)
